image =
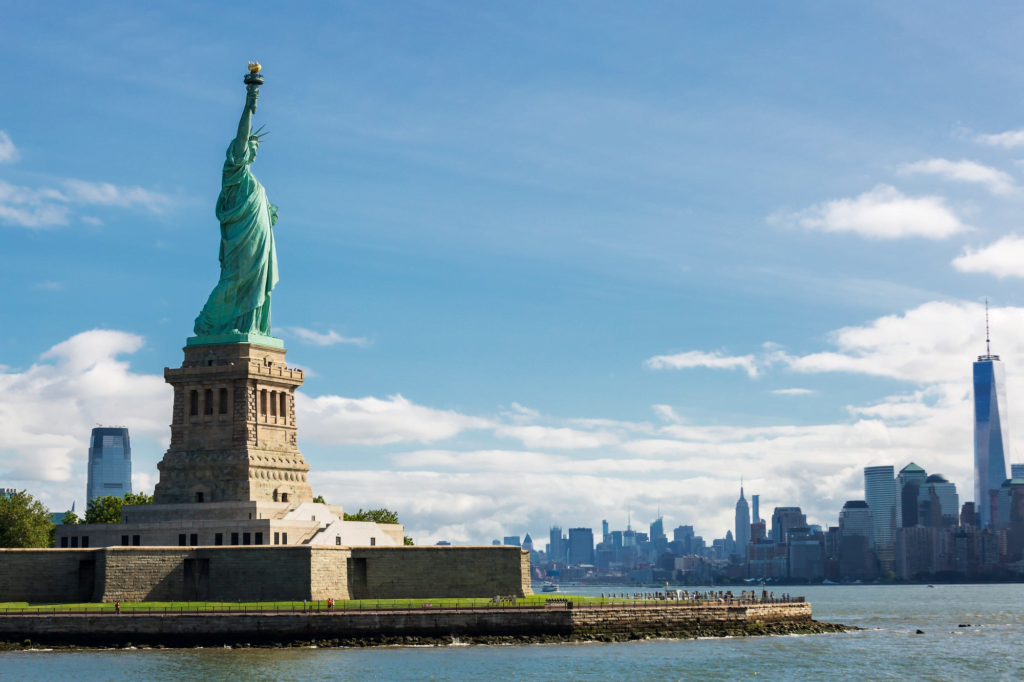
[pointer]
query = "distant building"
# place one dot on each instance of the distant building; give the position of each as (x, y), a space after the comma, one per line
(528, 543)
(581, 546)
(938, 503)
(967, 517)
(556, 550)
(784, 518)
(856, 541)
(742, 523)
(806, 554)
(443, 543)
(880, 495)
(991, 432)
(758, 532)
(8, 493)
(604, 531)
(911, 478)
(110, 463)
(916, 551)
(659, 541)
(755, 509)
(496, 543)
(856, 519)
(58, 517)
(512, 540)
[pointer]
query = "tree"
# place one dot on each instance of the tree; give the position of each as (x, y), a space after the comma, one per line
(70, 518)
(24, 522)
(137, 498)
(408, 541)
(375, 515)
(107, 509)
(319, 499)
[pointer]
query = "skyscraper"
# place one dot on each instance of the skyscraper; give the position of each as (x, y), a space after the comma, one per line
(742, 523)
(556, 550)
(911, 478)
(110, 463)
(855, 519)
(991, 431)
(1017, 470)
(756, 509)
(938, 491)
(581, 546)
(880, 494)
(784, 518)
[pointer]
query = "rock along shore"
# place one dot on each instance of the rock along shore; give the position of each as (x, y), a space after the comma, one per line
(408, 628)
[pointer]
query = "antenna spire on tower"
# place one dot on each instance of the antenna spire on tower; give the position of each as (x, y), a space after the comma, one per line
(988, 343)
(987, 357)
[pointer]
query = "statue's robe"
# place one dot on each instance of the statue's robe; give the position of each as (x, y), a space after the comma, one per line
(240, 303)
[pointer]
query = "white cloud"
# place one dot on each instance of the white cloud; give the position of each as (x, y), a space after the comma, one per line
(929, 344)
(1002, 258)
(667, 413)
(1009, 139)
(48, 410)
(32, 208)
(882, 213)
(329, 339)
(333, 419)
(995, 180)
(49, 206)
(8, 152)
(106, 194)
(558, 438)
(696, 358)
(793, 391)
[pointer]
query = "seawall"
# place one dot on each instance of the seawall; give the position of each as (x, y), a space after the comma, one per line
(261, 573)
(524, 624)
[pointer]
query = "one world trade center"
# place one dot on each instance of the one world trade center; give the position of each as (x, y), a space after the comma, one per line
(991, 432)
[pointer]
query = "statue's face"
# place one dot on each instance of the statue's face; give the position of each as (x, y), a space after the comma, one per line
(253, 147)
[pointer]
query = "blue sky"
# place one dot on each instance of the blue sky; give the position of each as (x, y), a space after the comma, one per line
(514, 208)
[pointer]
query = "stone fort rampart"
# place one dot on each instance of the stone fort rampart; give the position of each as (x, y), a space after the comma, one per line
(260, 573)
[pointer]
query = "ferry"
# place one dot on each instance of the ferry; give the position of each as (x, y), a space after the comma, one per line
(549, 587)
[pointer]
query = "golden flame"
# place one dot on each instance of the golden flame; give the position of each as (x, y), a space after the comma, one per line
(254, 67)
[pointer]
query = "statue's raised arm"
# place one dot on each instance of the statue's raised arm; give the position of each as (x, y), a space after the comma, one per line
(240, 303)
(252, 93)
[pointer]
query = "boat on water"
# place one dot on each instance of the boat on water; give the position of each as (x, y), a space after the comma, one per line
(549, 587)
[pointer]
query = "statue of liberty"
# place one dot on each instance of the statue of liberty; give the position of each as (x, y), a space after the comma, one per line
(240, 303)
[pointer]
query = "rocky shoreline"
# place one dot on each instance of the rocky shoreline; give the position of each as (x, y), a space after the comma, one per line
(752, 630)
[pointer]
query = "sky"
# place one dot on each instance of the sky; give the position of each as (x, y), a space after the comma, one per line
(543, 263)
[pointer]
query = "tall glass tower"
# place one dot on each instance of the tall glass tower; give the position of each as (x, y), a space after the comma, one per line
(880, 494)
(110, 463)
(991, 431)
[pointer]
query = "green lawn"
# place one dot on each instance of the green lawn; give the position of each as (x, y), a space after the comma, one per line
(346, 605)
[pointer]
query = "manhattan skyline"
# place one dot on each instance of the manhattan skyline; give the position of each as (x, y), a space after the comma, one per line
(588, 261)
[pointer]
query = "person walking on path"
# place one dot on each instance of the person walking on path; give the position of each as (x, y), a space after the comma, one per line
(117, 607)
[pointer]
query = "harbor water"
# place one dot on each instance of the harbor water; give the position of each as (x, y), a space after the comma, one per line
(989, 647)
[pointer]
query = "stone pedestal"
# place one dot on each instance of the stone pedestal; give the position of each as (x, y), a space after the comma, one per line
(233, 431)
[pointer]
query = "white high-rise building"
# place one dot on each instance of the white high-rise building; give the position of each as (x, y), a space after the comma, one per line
(880, 494)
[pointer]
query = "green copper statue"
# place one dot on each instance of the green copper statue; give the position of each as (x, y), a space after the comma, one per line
(240, 303)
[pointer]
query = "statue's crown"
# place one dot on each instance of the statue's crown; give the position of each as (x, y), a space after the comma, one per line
(257, 135)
